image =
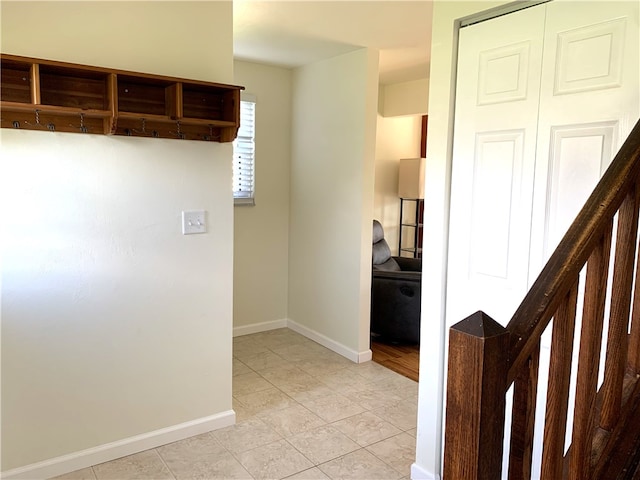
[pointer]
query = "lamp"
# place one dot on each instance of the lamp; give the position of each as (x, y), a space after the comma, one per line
(411, 178)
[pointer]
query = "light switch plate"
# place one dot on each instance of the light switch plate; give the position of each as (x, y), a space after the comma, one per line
(194, 221)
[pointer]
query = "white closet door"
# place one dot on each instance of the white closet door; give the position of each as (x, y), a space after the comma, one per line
(544, 99)
(494, 152)
(589, 102)
(534, 132)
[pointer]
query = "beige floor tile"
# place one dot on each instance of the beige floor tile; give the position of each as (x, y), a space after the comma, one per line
(247, 348)
(323, 444)
(271, 399)
(282, 337)
(413, 432)
(398, 451)
(145, 465)
(240, 368)
(373, 371)
(286, 389)
(333, 407)
(374, 399)
(403, 414)
(242, 413)
(284, 374)
(359, 465)
(249, 383)
(311, 474)
(291, 421)
(275, 460)
(344, 381)
(263, 361)
(403, 386)
(305, 389)
(246, 435)
(319, 365)
(201, 457)
(366, 428)
(82, 474)
(302, 352)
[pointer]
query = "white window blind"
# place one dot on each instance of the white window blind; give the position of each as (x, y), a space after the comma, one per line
(244, 154)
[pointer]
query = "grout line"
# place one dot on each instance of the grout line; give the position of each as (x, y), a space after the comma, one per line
(165, 463)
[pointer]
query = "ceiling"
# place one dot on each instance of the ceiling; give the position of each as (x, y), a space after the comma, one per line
(291, 33)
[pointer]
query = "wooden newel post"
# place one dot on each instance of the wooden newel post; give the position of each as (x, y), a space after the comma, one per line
(476, 386)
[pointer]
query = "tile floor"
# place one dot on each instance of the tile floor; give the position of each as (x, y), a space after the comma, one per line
(303, 412)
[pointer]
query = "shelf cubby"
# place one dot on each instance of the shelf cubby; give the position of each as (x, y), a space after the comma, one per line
(16, 82)
(49, 95)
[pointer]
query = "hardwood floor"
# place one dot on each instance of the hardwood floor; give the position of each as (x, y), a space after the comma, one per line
(404, 359)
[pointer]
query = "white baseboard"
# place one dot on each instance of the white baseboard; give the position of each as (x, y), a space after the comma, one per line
(419, 473)
(121, 448)
(259, 327)
(354, 356)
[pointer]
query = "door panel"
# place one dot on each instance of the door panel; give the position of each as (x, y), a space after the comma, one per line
(579, 155)
(589, 85)
(493, 164)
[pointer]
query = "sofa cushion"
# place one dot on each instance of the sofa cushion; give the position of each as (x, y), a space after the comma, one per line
(378, 232)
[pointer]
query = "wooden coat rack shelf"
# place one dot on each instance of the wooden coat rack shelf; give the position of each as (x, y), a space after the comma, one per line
(40, 94)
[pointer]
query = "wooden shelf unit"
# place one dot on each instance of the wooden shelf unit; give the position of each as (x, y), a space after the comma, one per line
(40, 94)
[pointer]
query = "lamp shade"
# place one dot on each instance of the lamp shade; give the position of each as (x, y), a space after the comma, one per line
(411, 178)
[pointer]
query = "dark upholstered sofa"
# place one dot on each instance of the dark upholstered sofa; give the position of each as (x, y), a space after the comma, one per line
(395, 293)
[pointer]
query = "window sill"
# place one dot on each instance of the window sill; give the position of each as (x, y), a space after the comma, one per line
(244, 202)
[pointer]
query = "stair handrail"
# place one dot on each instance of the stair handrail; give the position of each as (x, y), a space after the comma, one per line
(556, 278)
(485, 358)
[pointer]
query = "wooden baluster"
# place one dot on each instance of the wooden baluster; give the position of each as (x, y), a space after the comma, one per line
(558, 387)
(617, 341)
(633, 361)
(478, 348)
(588, 358)
(523, 418)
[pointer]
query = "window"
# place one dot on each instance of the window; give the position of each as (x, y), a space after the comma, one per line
(243, 154)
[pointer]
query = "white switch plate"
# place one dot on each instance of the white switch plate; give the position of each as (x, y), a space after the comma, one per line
(194, 222)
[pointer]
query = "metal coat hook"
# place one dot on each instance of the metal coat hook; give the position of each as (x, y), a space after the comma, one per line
(82, 127)
(49, 126)
(179, 133)
(210, 137)
(143, 131)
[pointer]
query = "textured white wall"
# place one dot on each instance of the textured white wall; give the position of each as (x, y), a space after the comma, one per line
(397, 137)
(406, 98)
(261, 239)
(332, 166)
(113, 323)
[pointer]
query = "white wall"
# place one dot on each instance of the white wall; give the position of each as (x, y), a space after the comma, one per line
(397, 137)
(406, 98)
(332, 167)
(261, 238)
(437, 181)
(113, 323)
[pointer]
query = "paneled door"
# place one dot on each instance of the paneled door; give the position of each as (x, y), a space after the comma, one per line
(544, 98)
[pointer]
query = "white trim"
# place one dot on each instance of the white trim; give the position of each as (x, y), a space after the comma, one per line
(354, 356)
(365, 356)
(120, 448)
(419, 473)
(259, 327)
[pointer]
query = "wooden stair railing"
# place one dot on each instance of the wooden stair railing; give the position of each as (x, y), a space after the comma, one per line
(485, 358)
